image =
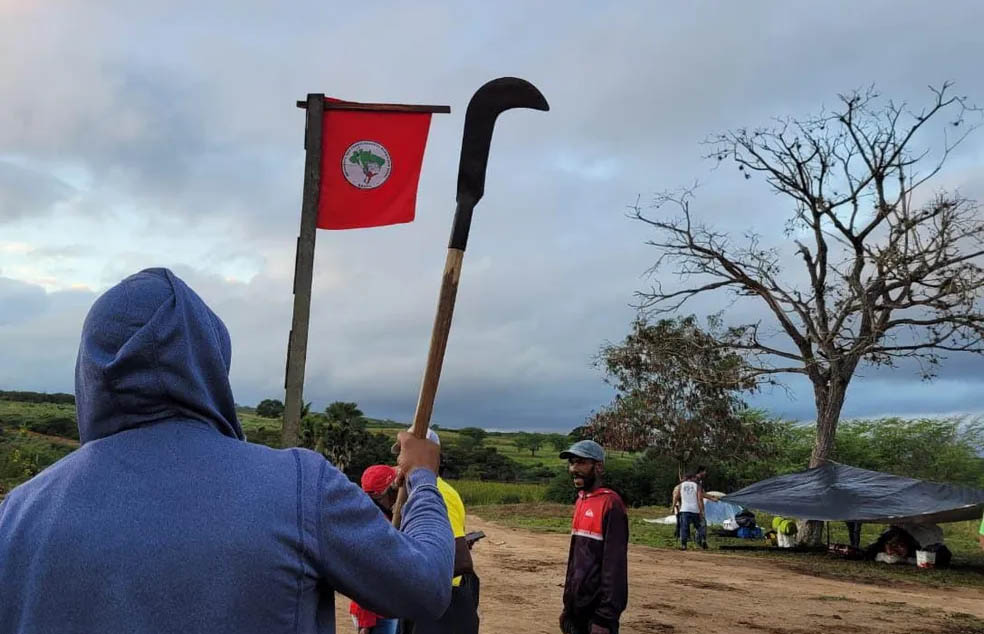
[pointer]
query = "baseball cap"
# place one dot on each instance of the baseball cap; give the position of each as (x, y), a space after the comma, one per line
(585, 449)
(377, 478)
(431, 435)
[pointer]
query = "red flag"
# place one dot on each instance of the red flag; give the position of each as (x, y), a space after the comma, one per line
(370, 166)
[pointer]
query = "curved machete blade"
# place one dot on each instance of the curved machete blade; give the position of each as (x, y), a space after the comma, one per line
(488, 102)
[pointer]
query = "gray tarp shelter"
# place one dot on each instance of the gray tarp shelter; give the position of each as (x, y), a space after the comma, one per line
(837, 492)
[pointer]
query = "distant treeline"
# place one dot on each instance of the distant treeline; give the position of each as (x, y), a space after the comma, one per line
(947, 450)
(38, 397)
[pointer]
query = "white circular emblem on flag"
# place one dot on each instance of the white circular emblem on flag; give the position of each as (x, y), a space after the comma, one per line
(366, 164)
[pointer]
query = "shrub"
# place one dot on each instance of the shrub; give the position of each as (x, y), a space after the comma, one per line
(263, 436)
(64, 426)
(270, 408)
(647, 481)
(484, 462)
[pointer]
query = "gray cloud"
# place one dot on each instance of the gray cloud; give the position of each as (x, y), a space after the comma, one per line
(24, 191)
(39, 336)
(182, 126)
(20, 302)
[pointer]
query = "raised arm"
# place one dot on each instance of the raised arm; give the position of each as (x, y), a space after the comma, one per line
(400, 574)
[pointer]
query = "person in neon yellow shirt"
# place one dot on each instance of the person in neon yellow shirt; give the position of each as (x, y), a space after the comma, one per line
(981, 536)
(461, 616)
(456, 515)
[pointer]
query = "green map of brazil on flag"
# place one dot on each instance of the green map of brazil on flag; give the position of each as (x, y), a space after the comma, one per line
(370, 166)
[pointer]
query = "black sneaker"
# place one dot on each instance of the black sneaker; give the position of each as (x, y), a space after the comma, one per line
(703, 545)
(683, 547)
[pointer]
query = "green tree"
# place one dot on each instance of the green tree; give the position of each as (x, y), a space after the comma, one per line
(526, 440)
(484, 463)
(675, 389)
(581, 432)
(345, 414)
(270, 408)
(941, 449)
(312, 431)
(887, 270)
(340, 435)
(472, 436)
(559, 442)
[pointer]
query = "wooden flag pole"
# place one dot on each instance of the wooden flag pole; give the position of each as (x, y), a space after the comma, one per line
(316, 105)
(303, 272)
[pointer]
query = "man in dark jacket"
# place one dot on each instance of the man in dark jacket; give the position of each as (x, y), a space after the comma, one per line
(597, 585)
(165, 520)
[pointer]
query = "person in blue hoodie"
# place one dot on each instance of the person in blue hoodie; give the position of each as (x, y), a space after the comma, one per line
(165, 520)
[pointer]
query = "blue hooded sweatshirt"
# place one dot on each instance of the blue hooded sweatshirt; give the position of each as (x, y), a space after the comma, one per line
(165, 520)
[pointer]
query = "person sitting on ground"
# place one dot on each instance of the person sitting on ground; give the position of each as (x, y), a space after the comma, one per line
(895, 544)
(166, 520)
(929, 537)
(596, 588)
(380, 484)
(690, 501)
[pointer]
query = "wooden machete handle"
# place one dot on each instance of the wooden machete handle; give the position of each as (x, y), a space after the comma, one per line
(435, 359)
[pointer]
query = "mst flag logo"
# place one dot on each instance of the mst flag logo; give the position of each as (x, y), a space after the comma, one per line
(360, 187)
(366, 164)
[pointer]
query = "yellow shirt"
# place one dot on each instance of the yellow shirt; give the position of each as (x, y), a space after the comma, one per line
(456, 513)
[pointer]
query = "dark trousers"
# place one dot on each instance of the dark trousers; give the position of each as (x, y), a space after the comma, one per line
(461, 616)
(854, 533)
(582, 626)
(688, 519)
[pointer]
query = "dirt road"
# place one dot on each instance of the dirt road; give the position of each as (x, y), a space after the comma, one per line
(671, 591)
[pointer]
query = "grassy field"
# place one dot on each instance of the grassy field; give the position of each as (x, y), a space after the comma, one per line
(23, 414)
(18, 414)
(960, 537)
(503, 442)
(476, 492)
(26, 452)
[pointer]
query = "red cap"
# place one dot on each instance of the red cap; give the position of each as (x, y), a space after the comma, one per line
(377, 478)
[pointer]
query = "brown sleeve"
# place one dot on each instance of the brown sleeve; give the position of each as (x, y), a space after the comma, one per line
(462, 557)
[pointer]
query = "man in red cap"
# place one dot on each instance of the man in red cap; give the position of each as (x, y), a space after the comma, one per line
(379, 482)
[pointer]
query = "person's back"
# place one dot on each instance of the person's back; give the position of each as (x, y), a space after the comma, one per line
(691, 512)
(688, 497)
(188, 524)
(165, 521)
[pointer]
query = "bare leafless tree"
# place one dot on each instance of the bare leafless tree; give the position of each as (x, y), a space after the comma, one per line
(890, 271)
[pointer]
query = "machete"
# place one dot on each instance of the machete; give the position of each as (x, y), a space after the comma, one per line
(488, 102)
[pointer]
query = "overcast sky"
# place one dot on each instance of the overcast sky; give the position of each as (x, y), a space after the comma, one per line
(165, 134)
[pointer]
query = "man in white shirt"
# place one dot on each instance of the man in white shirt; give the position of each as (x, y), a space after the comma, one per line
(689, 499)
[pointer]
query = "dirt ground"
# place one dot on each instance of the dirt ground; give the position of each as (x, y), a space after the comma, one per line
(522, 577)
